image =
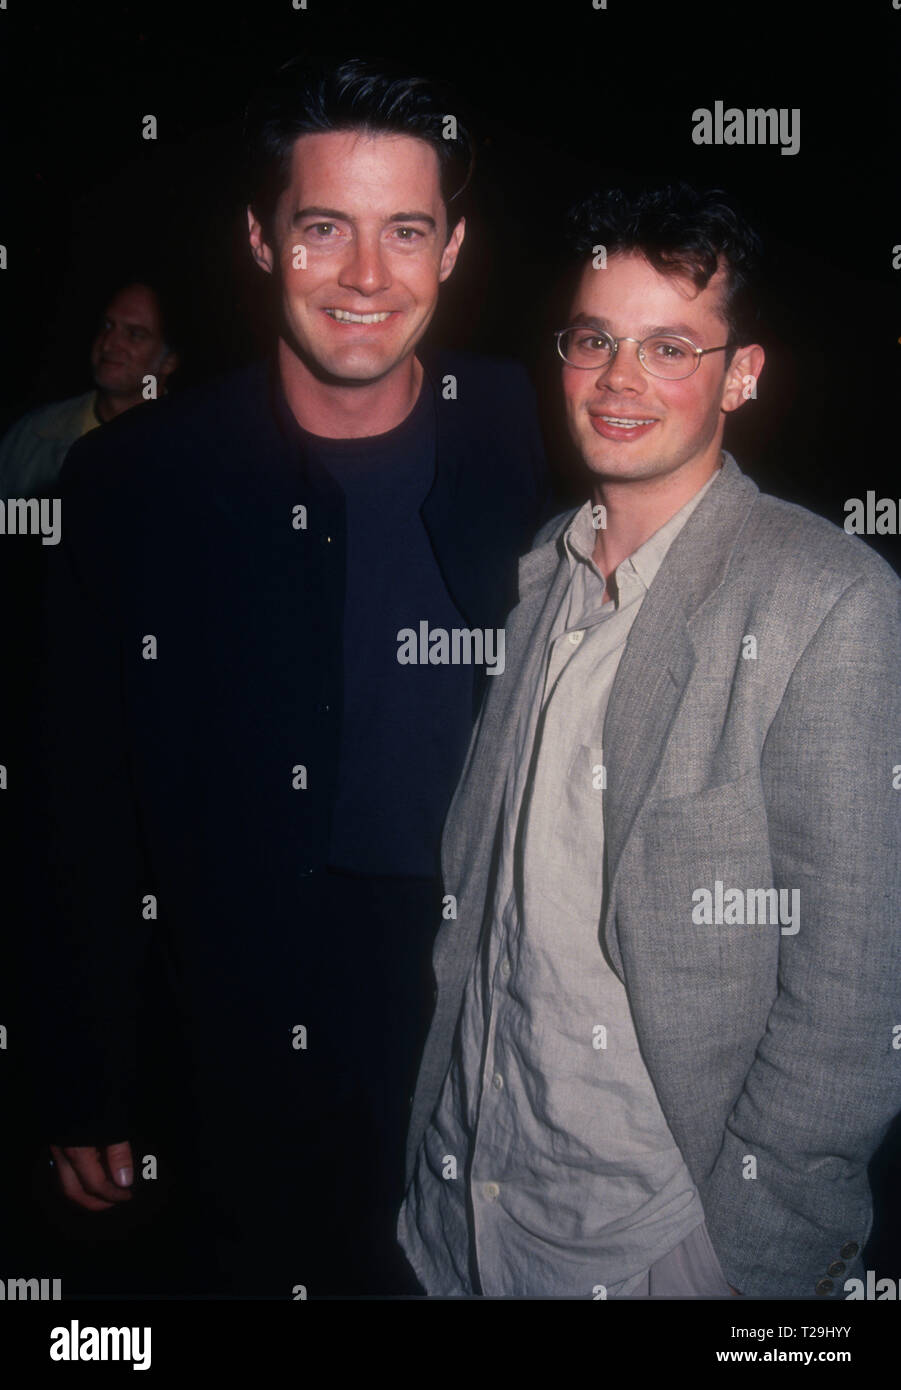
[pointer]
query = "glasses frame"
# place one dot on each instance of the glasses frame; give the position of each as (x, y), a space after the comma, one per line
(676, 337)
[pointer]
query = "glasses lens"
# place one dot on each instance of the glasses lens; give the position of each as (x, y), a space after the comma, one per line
(585, 347)
(669, 357)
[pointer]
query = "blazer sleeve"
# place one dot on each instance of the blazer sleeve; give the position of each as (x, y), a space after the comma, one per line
(86, 935)
(826, 1079)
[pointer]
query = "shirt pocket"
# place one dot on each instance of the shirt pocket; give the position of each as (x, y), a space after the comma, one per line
(587, 776)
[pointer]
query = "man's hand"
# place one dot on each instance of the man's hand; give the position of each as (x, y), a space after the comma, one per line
(95, 1179)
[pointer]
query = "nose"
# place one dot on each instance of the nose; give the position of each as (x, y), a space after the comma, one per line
(365, 270)
(111, 340)
(625, 372)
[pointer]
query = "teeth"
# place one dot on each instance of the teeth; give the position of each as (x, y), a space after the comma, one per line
(345, 316)
(618, 420)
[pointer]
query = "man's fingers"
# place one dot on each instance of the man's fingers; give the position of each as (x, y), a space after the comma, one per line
(71, 1184)
(119, 1164)
(84, 1179)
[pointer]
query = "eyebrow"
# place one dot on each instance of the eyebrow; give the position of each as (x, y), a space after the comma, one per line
(125, 323)
(681, 330)
(345, 217)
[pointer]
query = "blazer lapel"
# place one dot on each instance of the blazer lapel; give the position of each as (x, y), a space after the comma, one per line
(658, 661)
(473, 815)
(653, 672)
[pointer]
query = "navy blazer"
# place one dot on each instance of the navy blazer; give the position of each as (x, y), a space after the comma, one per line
(165, 789)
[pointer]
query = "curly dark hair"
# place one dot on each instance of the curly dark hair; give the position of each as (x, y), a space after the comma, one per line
(680, 231)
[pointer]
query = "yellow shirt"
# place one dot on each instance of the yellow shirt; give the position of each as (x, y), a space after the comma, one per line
(32, 451)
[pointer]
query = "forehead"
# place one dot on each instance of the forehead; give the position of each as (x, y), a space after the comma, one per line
(134, 304)
(634, 297)
(360, 168)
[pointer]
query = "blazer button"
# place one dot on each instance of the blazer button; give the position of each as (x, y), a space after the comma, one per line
(848, 1251)
(824, 1286)
(837, 1267)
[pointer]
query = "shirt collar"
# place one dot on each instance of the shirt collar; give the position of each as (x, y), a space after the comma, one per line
(580, 536)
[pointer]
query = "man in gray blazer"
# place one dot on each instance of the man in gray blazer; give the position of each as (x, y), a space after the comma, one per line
(668, 977)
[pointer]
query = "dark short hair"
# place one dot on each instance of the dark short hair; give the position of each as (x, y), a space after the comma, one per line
(307, 97)
(680, 231)
(171, 326)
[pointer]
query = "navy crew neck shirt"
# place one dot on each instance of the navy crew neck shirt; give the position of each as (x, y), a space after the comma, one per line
(405, 728)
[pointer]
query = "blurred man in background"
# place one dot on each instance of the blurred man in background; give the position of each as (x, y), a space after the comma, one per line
(132, 344)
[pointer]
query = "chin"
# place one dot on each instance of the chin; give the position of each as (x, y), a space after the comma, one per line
(619, 466)
(366, 368)
(359, 372)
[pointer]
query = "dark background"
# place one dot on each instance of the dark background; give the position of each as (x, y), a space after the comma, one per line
(564, 97)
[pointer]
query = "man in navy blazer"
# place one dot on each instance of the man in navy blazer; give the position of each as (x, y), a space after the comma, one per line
(665, 1041)
(270, 620)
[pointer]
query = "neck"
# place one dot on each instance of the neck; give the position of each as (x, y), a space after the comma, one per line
(637, 508)
(352, 411)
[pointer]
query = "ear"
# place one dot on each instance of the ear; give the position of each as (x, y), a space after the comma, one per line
(452, 250)
(168, 365)
(261, 252)
(742, 375)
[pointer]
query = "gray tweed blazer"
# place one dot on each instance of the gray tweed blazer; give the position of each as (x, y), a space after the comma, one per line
(771, 1051)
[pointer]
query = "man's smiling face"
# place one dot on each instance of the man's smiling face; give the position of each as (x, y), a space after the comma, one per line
(368, 212)
(129, 343)
(626, 423)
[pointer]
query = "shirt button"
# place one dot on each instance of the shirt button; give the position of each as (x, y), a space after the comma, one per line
(497, 1081)
(491, 1191)
(576, 637)
(505, 969)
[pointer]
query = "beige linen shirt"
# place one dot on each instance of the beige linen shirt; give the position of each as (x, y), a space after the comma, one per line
(548, 1167)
